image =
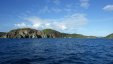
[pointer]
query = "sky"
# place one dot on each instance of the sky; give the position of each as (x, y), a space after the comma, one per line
(87, 17)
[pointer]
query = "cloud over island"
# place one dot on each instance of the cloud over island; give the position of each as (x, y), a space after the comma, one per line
(67, 23)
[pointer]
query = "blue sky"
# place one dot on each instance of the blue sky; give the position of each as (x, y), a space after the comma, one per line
(88, 17)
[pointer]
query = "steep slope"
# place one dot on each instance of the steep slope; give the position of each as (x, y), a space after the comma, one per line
(110, 36)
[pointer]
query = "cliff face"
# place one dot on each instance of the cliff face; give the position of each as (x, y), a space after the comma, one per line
(33, 33)
(110, 36)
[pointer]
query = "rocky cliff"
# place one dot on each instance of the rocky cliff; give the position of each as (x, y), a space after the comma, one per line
(24, 33)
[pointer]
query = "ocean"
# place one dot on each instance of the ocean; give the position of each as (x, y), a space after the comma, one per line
(56, 51)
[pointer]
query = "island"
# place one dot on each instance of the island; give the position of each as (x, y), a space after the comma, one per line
(46, 33)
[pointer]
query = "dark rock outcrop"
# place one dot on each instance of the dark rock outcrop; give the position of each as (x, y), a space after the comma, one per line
(2, 34)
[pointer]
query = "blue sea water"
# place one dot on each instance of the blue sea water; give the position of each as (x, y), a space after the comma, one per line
(56, 51)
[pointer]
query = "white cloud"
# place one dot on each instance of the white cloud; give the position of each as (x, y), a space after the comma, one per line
(84, 3)
(66, 24)
(108, 8)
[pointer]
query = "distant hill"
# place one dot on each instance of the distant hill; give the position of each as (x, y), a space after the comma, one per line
(33, 33)
(2, 33)
(75, 36)
(110, 36)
